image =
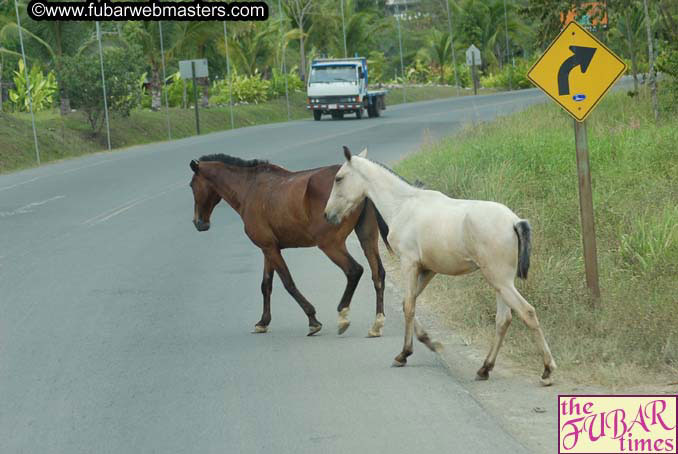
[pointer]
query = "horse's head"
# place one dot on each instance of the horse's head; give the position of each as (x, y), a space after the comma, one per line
(204, 196)
(348, 190)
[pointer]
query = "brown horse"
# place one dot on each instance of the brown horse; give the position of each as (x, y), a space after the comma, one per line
(283, 209)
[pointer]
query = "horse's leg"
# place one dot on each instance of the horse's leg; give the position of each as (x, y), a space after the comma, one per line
(353, 271)
(369, 241)
(279, 265)
(424, 278)
(266, 289)
(515, 301)
(410, 273)
(502, 322)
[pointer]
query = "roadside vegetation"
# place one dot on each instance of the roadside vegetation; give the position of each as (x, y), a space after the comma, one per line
(60, 137)
(62, 64)
(527, 161)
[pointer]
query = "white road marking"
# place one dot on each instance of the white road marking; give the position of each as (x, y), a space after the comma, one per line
(28, 208)
(106, 215)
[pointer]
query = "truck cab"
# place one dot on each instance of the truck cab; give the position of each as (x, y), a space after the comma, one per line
(339, 86)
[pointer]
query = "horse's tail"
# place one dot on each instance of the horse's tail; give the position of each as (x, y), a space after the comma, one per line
(381, 223)
(383, 228)
(524, 233)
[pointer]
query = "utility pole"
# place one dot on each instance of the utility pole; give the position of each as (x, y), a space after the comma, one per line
(28, 82)
(343, 28)
(454, 58)
(103, 82)
(400, 41)
(653, 71)
(508, 52)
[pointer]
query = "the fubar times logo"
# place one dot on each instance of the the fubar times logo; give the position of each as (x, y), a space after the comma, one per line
(607, 424)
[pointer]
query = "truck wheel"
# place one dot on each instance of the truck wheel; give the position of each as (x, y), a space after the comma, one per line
(317, 115)
(359, 113)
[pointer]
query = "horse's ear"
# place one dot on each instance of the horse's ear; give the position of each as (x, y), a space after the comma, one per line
(194, 166)
(347, 153)
(363, 154)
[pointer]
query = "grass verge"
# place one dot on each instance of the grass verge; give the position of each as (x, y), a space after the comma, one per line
(64, 137)
(527, 161)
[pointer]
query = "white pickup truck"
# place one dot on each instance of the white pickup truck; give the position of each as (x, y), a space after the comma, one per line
(339, 86)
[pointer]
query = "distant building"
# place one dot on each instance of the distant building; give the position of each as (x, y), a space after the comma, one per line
(393, 6)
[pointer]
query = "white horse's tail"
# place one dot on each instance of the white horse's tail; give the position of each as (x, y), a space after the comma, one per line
(524, 233)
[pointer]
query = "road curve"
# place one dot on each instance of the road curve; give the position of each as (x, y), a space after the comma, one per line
(123, 330)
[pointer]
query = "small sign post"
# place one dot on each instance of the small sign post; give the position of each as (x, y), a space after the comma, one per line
(473, 59)
(191, 70)
(576, 71)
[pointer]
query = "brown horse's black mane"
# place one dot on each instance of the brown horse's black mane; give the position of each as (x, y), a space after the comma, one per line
(232, 160)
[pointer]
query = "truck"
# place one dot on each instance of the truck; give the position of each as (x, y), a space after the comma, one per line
(337, 86)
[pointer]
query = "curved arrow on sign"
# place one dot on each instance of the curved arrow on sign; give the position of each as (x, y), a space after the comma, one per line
(582, 57)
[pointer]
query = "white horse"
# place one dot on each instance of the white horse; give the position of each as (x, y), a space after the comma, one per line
(433, 234)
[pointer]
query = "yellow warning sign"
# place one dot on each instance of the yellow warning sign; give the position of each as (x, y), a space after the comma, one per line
(576, 71)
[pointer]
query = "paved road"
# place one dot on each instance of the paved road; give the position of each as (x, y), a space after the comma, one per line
(123, 330)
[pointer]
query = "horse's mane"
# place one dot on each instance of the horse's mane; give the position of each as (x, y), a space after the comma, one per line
(392, 172)
(232, 160)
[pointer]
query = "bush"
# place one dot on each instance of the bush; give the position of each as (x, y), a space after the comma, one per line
(252, 89)
(667, 63)
(42, 89)
(463, 74)
(277, 87)
(81, 78)
(175, 90)
(509, 76)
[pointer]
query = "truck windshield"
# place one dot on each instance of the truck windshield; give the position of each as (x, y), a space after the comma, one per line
(329, 74)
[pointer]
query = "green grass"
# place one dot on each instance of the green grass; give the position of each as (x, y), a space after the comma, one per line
(64, 137)
(527, 161)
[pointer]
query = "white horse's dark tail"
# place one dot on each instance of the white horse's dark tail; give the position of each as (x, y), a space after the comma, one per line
(524, 233)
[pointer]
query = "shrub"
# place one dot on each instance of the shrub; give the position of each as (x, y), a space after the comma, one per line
(667, 63)
(277, 86)
(42, 89)
(509, 76)
(463, 74)
(252, 89)
(81, 77)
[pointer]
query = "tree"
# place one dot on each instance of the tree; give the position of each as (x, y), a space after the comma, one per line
(298, 11)
(146, 35)
(82, 81)
(629, 25)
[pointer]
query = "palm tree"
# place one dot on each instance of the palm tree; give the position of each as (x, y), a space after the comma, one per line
(253, 45)
(196, 39)
(482, 23)
(438, 51)
(299, 11)
(146, 34)
(630, 26)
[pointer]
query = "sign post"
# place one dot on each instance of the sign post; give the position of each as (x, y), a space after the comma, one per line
(473, 59)
(192, 70)
(586, 207)
(576, 71)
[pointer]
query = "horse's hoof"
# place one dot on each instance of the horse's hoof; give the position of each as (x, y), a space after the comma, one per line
(483, 374)
(398, 363)
(546, 379)
(437, 347)
(258, 329)
(344, 322)
(377, 327)
(314, 329)
(341, 329)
